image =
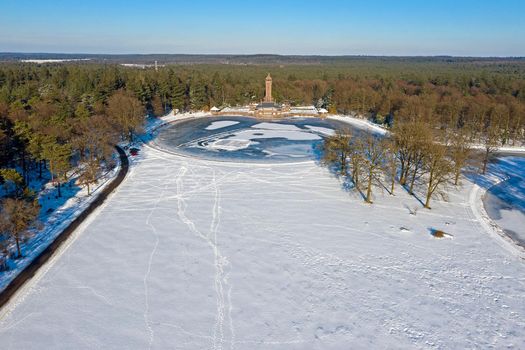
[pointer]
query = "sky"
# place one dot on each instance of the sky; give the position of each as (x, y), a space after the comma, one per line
(327, 27)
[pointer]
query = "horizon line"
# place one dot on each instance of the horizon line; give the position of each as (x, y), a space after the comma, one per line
(258, 54)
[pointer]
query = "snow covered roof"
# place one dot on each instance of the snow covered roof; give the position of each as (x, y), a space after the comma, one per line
(307, 108)
(322, 110)
(303, 111)
(215, 109)
(236, 109)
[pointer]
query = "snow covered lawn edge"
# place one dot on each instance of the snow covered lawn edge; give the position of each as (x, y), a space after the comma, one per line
(478, 209)
(54, 227)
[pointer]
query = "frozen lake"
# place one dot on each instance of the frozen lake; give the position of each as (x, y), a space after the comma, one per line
(244, 139)
(505, 202)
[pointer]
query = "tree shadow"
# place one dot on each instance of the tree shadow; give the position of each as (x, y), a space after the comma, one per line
(50, 201)
(406, 187)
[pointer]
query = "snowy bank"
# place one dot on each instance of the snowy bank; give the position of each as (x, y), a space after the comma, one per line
(55, 217)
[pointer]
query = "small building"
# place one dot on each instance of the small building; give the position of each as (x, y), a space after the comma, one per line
(268, 109)
(214, 110)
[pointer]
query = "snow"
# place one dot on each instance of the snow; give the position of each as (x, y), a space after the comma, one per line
(276, 126)
(305, 110)
(321, 130)
(55, 60)
(299, 135)
(194, 254)
(230, 144)
(56, 214)
(360, 123)
(221, 124)
(504, 201)
(236, 110)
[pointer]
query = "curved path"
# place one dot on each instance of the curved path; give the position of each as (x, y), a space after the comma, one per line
(48, 253)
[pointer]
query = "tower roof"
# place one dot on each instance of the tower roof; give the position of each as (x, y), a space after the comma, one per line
(269, 77)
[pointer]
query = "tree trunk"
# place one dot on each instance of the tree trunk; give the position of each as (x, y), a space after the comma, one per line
(402, 174)
(369, 189)
(456, 178)
(411, 190)
(18, 246)
(59, 193)
(485, 161)
(429, 195)
(393, 174)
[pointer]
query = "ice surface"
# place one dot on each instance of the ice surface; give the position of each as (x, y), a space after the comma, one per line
(221, 124)
(193, 254)
(321, 130)
(230, 144)
(293, 135)
(276, 126)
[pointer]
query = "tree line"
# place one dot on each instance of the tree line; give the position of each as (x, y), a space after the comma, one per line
(412, 154)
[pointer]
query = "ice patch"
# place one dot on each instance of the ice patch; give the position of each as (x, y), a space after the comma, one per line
(221, 124)
(293, 135)
(276, 126)
(321, 130)
(230, 144)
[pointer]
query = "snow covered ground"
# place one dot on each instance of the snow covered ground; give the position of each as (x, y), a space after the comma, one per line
(194, 254)
(61, 60)
(505, 201)
(56, 214)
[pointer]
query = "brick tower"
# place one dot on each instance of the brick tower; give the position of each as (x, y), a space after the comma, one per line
(268, 97)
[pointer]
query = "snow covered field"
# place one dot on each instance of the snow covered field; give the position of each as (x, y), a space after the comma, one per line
(193, 254)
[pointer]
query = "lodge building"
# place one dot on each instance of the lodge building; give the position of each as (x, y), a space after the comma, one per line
(268, 108)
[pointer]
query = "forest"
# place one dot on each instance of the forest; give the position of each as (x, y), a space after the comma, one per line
(60, 117)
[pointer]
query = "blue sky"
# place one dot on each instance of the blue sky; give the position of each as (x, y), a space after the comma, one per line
(327, 27)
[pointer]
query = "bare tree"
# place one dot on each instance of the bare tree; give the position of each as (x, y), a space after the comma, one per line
(17, 216)
(437, 167)
(337, 149)
(421, 139)
(410, 139)
(373, 157)
(356, 161)
(402, 141)
(491, 143)
(391, 163)
(460, 151)
(89, 174)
